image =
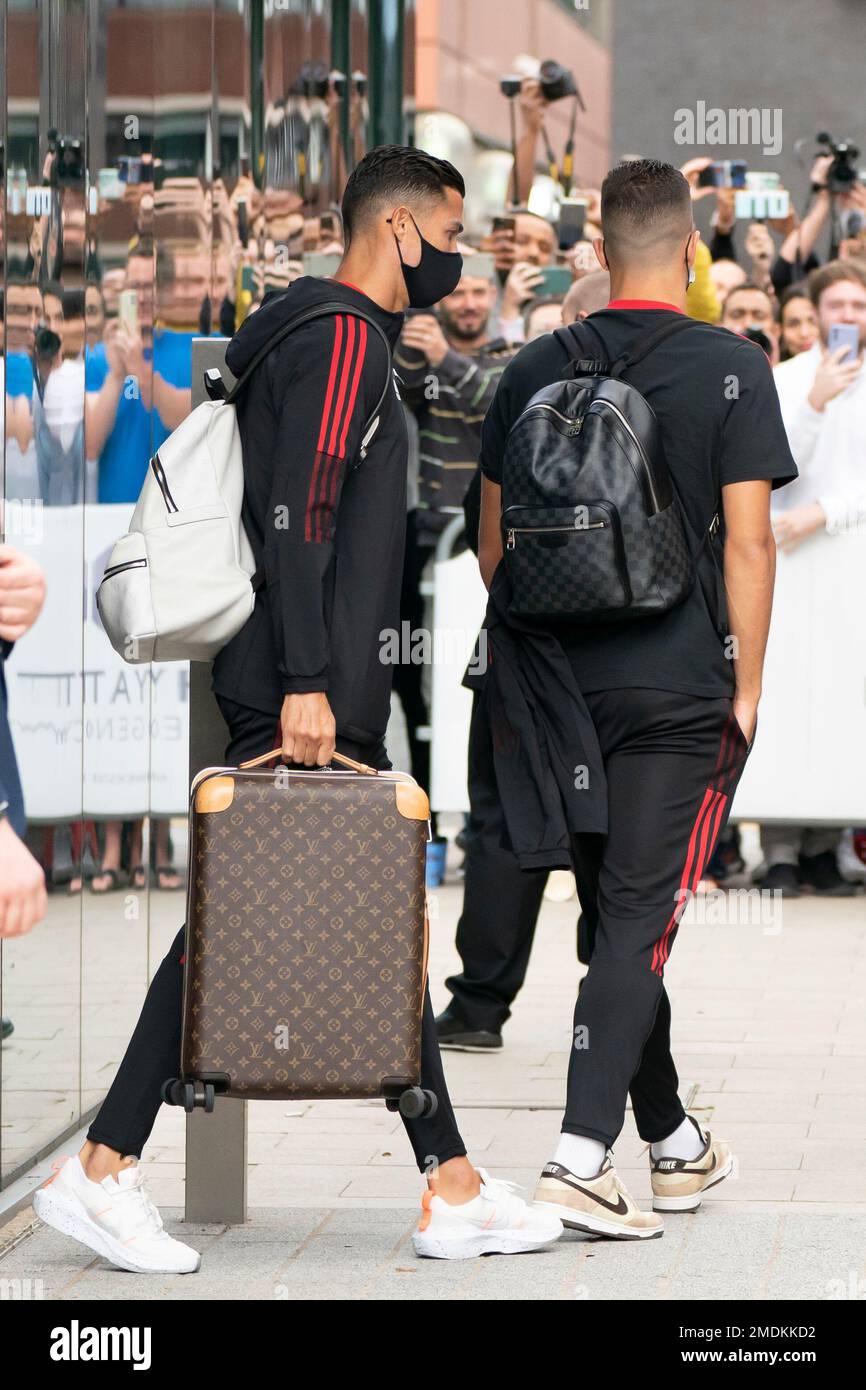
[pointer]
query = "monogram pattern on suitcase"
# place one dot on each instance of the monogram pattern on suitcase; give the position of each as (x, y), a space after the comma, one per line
(305, 938)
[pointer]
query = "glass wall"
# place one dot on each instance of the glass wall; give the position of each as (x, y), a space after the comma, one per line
(164, 165)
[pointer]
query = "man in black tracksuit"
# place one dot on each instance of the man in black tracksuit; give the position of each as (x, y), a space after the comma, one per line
(672, 704)
(324, 456)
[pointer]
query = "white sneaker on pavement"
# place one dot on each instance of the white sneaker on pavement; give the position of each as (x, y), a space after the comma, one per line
(496, 1222)
(115, 1217)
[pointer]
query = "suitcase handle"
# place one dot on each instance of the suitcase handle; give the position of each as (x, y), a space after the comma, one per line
(336, 757)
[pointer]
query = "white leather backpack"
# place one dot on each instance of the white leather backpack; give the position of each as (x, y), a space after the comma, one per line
(182, 582)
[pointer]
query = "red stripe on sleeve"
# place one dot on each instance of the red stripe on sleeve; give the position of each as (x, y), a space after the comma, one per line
(359, 363)
(332, 376)
(327, 484)
(345, 368)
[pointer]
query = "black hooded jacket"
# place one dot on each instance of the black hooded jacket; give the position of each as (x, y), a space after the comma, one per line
(326, 527)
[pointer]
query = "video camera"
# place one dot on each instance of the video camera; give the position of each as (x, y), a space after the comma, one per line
(843, 172)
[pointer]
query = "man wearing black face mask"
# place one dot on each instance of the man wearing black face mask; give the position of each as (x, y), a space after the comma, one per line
(328, 533)
(326, 517)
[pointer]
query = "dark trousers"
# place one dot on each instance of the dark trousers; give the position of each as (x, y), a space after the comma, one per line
(501, 902)
(129, 1111)
(672, 764)
(408, 683)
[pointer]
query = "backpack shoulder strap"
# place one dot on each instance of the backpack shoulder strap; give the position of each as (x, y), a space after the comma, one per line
(216, 388)
(580, 363)
(604, 366)
(648, 343)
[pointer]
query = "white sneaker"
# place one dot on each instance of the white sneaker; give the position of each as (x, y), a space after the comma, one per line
(496, 1222)
(116, 1218)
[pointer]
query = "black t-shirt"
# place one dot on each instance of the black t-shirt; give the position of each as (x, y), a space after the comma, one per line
(718, 412)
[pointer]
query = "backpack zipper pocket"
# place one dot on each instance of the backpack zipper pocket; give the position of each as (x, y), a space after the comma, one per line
(162, 482)
(513, 532)
(127, 565)
(574, 423)
(548, 564)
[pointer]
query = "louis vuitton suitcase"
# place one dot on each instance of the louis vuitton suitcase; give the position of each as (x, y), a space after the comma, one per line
(306, 936)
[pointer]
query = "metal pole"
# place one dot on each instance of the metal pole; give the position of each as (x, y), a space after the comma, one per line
(216, 1145)
(386, 72)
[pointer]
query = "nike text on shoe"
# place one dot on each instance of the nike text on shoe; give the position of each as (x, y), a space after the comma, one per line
(116, 1218)
(599, 1205)
(496, 1222)
(679, 1183)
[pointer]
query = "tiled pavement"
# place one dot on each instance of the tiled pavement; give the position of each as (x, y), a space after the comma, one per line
(770, 1040)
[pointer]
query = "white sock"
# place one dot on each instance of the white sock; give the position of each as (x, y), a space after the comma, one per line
(581, 1156)
(685, 1142)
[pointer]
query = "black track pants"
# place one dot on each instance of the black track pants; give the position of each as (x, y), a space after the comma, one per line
(501, 901)
(672, 763)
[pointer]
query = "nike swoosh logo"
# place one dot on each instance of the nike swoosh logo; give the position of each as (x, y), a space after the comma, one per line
(619, 1208)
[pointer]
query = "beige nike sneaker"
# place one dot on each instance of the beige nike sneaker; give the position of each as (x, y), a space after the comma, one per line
(598, 1205)
(679, 1183)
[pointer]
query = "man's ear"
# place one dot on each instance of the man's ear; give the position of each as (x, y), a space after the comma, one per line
(598, 248)
(692, 247)
(400, 220)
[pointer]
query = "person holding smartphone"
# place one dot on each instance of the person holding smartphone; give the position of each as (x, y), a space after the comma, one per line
(822, 393)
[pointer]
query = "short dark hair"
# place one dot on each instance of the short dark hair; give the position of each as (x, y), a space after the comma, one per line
(833, 273)
(751, 286)
(391, 172)
(54, 289)
(73, 304)
(646, 206)
(799, 290)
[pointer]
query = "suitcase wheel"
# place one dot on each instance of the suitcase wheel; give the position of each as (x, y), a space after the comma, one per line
(416, 1104)
(190, 1094)
(172, 1091)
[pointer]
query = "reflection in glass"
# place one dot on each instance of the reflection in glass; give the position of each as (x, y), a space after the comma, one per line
(166, 166)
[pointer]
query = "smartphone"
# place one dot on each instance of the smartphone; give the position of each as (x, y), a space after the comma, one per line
(572, 220)
(556, 279)
(845, 335)
(725, 173)
(319, 263)
(127, 309)
(504, 224)
(243, 222)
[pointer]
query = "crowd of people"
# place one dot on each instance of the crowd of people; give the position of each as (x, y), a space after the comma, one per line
(126, 339)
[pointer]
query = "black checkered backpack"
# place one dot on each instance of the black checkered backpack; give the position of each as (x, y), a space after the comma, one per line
(593, 527)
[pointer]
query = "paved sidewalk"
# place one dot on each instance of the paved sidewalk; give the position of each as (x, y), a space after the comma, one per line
(770, 1039)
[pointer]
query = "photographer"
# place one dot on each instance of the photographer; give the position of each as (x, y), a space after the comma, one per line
(533, 97)
(748, 310)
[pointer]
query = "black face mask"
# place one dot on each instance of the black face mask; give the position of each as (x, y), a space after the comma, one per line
(435, 275)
